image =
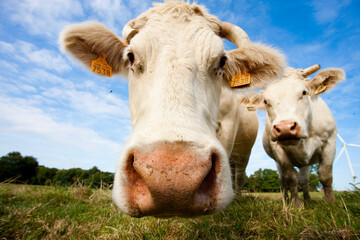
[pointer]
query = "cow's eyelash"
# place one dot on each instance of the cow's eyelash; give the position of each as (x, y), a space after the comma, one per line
(131, 57)
(222, 62)
(219, 71)
(219, 67)
(303, 94)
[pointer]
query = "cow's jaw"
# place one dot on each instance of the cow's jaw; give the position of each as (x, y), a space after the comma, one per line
(290, 142)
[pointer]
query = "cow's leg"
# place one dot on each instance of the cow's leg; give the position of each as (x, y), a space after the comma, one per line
(233, 174)
(240, 162)
(325, 171)
(304, 181)
(283, 185)
(326, 179)
(245, 139)
(288, 176)
(289, 179)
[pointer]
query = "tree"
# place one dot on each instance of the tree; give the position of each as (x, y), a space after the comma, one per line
(45, 176)
(270, 181)
(314, 182)
(68, 177)
(266, 180)
(13, 165)
(26, 169)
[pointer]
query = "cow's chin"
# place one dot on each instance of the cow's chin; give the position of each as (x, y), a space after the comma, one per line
(289, 141)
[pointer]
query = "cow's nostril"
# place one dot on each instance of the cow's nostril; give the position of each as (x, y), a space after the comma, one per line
(131, 172)
(215, 163)
(277, 129)
(131, 160)
(207, 189)
(130, 163)
(293, 127)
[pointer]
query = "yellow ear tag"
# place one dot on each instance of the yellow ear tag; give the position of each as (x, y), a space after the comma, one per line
(320, 89)
(250, 107)
(240, 79)
(100, 66)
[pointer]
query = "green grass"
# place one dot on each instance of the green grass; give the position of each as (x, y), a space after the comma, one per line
(48, 212)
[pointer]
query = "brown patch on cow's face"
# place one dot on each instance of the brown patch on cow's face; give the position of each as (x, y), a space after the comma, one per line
(172, 179)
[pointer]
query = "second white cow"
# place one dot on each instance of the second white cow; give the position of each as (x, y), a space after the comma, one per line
(300, 129)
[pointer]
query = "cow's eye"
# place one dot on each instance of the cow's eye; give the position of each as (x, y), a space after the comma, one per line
(131, 57)
(265, 102)
(222, 62)
(304, 93)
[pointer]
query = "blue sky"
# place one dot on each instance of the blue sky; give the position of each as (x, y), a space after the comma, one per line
(65, 116)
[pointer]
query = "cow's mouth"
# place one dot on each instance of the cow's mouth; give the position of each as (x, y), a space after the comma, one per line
(289, 141)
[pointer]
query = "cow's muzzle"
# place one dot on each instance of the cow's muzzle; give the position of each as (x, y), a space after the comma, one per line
(172, 179)
(287, 132)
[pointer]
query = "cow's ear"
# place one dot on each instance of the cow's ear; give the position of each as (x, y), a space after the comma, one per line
(253, 101)
(325, 80)
(88, 40)
(262, 63)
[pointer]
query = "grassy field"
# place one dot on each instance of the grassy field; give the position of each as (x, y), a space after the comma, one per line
(47, 212)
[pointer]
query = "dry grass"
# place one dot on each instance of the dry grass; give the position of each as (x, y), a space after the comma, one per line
(278, 196)
(40, 212)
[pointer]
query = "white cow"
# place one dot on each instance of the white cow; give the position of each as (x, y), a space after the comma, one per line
(186, 120)
(300, 129)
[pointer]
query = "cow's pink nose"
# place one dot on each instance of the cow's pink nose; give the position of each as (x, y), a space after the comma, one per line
(286, 130)
(173, 179)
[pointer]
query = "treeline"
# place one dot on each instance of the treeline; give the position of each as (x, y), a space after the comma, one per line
(267, 180)
(18, 169)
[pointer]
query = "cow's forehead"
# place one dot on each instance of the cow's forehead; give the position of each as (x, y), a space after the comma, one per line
(178, 34)
(286, 88)
(186, 39)
(181, 12)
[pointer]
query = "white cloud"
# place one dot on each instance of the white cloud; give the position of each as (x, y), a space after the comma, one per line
(28, 53)
(6, 87)
(8, 66)
(326, 11)
(115, 13)
(6, 47)
(43, 78)
(43, 17)
(18, 116)
(15, 88)
(104, 104)
(47, 18)
(43, 58)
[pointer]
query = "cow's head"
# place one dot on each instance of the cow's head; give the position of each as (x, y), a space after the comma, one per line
(288, 102)
(173, 164)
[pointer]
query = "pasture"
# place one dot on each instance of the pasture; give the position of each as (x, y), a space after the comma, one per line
(52, 212)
